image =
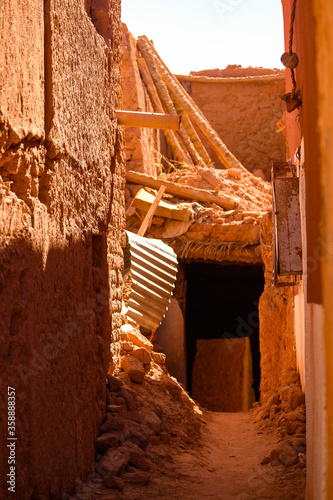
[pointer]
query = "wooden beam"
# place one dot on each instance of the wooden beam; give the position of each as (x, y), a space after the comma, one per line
(151, 211)
(148, 120)
(144, 200)
(185, 192)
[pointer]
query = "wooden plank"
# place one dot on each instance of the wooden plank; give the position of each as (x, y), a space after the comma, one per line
(143, 200)
(288, 226)
(151, 211)
(184, 192)
(148, 120)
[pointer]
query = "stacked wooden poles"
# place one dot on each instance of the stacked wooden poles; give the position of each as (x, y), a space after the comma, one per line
(167, 104)
(155, 100)
(160, 73)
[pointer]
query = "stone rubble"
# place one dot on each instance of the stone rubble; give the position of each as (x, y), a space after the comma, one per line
(146, 419)
(285, 409)
(252, 193)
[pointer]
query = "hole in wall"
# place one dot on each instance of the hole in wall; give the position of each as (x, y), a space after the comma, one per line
(97, 244)
(222, 334)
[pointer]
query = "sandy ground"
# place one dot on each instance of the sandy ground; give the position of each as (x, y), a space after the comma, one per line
(227, 467)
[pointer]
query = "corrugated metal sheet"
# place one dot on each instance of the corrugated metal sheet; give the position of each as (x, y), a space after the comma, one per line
(154, 270)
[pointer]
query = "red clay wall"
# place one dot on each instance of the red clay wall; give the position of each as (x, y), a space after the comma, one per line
(307, 124)
(323, 12)
(276, 313)
(303, 123)
(245, 116)
(61, 211)
(236, 70)
(141, 143)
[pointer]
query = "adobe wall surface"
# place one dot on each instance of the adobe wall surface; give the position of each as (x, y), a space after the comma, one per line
(313, 131)
(245, 116)
(324, 428)
(277, 338)
(276, 314)
(141, 143)
(171, 337)
(22, 71)
(236, 70)
(61, 225)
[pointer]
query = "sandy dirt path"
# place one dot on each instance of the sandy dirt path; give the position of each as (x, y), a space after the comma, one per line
(227, 467)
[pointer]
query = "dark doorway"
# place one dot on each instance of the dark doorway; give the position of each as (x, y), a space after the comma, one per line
(222, 303)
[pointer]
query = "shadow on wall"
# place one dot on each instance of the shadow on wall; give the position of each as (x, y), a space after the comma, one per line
(56, 313)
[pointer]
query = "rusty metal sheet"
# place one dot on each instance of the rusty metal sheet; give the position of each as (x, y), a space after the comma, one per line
(288, 236)
(154, 269)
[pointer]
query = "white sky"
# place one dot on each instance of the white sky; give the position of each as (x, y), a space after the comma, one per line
(192, 35)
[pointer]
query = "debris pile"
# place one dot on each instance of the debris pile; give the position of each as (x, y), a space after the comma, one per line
(285, 409)
(210, 211)
(149, 417)
(228, 221)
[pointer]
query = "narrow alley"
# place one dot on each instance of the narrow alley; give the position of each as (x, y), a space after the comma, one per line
(236, 456)
(166, 262)
(227, 467)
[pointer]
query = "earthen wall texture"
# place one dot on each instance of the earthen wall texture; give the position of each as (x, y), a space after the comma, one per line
(142, 144)
(236, 70)
(61, 226)
(245, 116)
(324, 51)
(170, 336)
(276, 314)
(310, 126)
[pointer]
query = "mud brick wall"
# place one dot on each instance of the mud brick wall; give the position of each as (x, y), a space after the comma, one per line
(61, 227)
(142, 144)
(277, 328)
(245, 117)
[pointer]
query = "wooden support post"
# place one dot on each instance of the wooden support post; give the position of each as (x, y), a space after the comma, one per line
(151, 211)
